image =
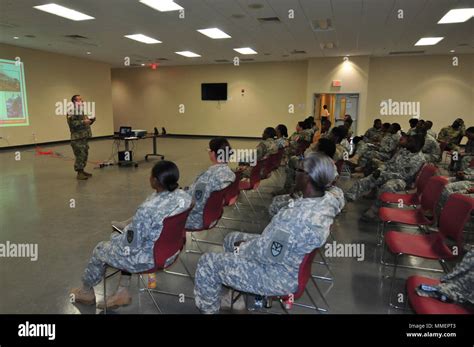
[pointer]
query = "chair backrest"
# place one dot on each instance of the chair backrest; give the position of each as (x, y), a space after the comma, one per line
(268, 165)
(426, 172)
(171, 240)
(302, 146)
(232, 191)
(454, 216)
(213, 209)
(255, 173)
(339, 165)
(432, 192)
(304, 273)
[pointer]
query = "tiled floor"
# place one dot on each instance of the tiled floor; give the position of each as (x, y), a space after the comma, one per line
(35, 199)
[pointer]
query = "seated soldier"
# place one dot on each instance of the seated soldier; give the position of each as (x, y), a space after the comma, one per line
(323, 132)
(374, 134)
(431, 149)
(216, 177)
(337, 135)
(394, 176)
(132, 250)
(461, 161)
(385, 151)
(452, 135)
(428, 126)
(457, 286)
(281, 136)
(268, 264)
(413, 123)
(295, 139)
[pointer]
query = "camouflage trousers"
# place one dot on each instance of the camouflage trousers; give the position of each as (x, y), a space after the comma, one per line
(461, 187)
(294, 163)
(81, 152)
(458, 285)
(368, 183)
(215, 270)
(372, 154)
(110, 253)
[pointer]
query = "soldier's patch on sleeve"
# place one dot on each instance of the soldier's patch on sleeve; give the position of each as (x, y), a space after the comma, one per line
(199, 191)
(277, 249)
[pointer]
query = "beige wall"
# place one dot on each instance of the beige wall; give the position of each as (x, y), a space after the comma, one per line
(51, 78)
(145, 98)
(444, 91)
(353, 75)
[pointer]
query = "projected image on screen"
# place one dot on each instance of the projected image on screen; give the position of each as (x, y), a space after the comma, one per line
(13, 109)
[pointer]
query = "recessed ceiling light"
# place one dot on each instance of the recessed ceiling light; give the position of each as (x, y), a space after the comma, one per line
(452, 51)
(143, 64)
(64, 12)
(15, 37)
(142, 38)
(458, 15)
(428, 41)
(245, 50)
(162, 5)
(214, 33)
(188, 54)
(88, 53)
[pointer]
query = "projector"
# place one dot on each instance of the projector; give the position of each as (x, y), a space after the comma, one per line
(138, 133)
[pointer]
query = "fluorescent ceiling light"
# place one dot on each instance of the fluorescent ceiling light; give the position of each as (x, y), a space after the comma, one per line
(162, 5)
(428, 41)
(459, 15)
(214, 33)
(245, 50)
(142, 38)
(62, 11)
(188, 54)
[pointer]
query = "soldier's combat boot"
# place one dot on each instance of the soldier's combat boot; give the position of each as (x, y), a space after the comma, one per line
(121, 298)
(81, 175)
(82, 296)
(87, 174)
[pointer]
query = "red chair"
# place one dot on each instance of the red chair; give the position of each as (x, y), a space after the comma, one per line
(426, 172)
(166, 251)
(424, 305)
(339, 165)
(253, 182)
(232, 192)
(454, 216)
(213, 210)
(417, 216)
(304, 275)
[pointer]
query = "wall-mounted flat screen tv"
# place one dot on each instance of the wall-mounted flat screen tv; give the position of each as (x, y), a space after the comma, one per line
(214, 91)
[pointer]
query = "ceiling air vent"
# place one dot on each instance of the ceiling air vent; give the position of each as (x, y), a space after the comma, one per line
(162, 59)
(76, 37)
(247, 59)
(222, 61)
(296, 51)
(269, 19)
(405, 52)
(321, 25)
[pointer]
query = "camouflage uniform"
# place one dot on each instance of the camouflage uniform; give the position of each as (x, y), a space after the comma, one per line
(388, 145)
(306, 135)
(80, 135)
(266, 148)
(373, 135)
(281, 142)
(431, 149)
(215, 178)
(411, 131)
(281, 201)
(466, 157)
(340, 151)
(451, 137)
(136, 255)
(267, 264)
(432, 133)
(458, 285)
(395, 175)
(461, 187)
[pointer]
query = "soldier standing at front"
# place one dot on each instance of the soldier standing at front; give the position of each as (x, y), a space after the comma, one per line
(268, 264)
(80, 127)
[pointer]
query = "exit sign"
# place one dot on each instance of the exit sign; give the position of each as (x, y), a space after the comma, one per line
(336, 83)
